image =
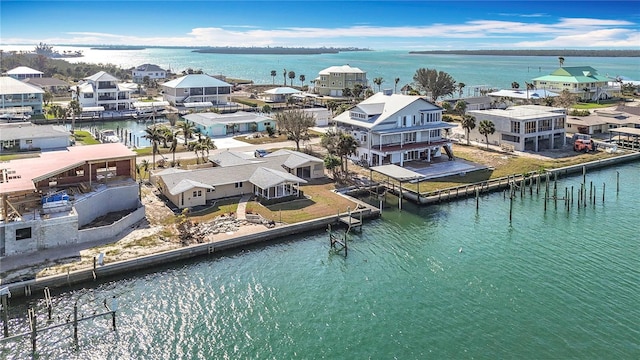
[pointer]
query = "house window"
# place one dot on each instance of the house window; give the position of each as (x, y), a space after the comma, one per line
(558, 123)
(23, 233)
(529, 127)
(209, 190)
(410, 137)
(515, 127)
(195, 193)
(238, 185)
(434, 133)
(545, 125)
(199, 192)
(29, 142)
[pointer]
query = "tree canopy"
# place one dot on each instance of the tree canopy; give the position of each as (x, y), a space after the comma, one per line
(435, 83)
(295, 124)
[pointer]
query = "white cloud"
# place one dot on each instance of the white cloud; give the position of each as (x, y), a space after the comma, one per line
(567, 32)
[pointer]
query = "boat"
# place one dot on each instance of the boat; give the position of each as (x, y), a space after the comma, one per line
(108, 136)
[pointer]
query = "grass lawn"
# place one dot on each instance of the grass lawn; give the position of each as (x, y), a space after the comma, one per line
(320, 201)
(9, 157)
(588, 106)
(84, 138)
(500, 164)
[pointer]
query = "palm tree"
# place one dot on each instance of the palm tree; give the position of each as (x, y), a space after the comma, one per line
(292, 75)
(284, 74)
(486, 128)
(468, 123)
(461, 86)
(187, 129)
(346, 92)
(515, 85)
(154, 135)
(74, 109)
(561, 60)
(378, 81)
(357, 90)
(273, 76)
(174, 145)
(395, 86)
(302, 79)
(347, 145)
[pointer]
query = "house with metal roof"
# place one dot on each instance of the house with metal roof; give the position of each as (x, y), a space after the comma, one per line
(150, 71)
(52, 200)
(279, 94)
(103, 90)
(583, 81)
(395, 128)
(194, 88)
(18, 99)
(214, 124)
(332, 80)
(24, 72)
(524, 127)
(274, 177)
(25, 136)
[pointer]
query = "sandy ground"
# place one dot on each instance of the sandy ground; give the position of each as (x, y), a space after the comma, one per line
(147, 237)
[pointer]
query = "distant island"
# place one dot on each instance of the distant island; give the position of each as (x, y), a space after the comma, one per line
(118, 47)
(275, 50)
(560, 52)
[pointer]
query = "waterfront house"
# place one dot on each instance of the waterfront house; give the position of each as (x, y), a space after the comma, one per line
(196, 88)
(279, 94)
(24, 72)
(102, 90)
(52, 200)
(25, 136)
(583, 81)
(274, 177)
(600, 121)
(149, 71)
(214, 124)
(18, 99)
(332, 80)
(523, 128)
(395, 128)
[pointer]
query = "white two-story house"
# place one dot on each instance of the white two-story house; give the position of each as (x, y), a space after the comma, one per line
(150, 71)
(525, 127)
(103, 90)
(196, 88)
(395, 128)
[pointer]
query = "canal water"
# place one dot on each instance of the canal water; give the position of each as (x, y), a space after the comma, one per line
(441, 281)
(133, 127)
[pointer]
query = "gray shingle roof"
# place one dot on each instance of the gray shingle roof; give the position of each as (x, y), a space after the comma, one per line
(27, 130)
(265, 178)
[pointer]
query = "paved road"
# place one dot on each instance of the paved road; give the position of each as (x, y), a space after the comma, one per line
(224, 144)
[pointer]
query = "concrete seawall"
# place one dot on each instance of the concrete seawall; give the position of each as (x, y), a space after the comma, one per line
(469, 190)
(35, 286)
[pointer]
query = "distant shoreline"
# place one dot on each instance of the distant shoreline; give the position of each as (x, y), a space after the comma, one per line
(274, 50)
(560, 52)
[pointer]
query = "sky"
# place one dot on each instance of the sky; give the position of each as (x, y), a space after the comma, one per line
(377, 25)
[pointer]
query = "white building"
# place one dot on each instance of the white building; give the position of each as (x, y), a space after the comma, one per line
(103, 90)
(24, 72)
(320, 115)
(18, 98)
(394, 128)
(27, 136)
(332, 80)
(150, 71)
(525, 127)
(196, 88)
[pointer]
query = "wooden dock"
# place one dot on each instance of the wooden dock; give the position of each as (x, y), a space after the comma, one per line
(350, 221)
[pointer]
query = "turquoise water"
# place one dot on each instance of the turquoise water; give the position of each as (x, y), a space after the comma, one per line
(493, 71)
(550, 285)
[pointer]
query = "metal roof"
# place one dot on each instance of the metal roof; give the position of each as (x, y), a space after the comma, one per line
(27, 130)
(148, 104)
(9, 86)
(626, 131)
(196, 81)
(282, 91)
(397, 172)
(22, 70)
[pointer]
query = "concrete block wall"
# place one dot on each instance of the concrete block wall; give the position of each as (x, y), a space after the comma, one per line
(45, 233)
(108, 200)
(110, 231)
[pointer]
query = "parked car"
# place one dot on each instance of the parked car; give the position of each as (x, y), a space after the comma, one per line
(260, 153)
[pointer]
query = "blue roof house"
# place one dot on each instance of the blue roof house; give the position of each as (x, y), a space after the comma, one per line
(213, 124)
